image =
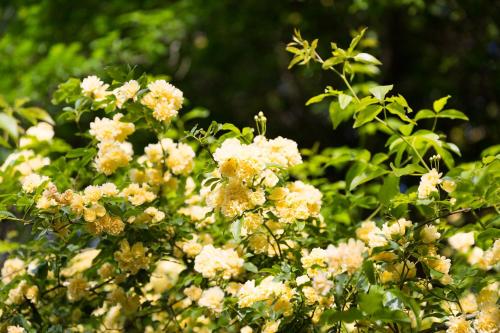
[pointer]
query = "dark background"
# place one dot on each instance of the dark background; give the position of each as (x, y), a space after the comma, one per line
(229, 57)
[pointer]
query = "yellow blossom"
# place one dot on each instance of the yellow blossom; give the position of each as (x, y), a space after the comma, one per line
(137, 194)
(276, 294)
(193, 292)
(112, 155)
(468, 303)
(271, 327)
(164, 99)
(448, 185)
(488, 320)
(132, 258)
(77, 288)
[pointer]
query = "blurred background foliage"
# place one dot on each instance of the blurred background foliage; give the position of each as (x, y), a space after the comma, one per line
(229, 56)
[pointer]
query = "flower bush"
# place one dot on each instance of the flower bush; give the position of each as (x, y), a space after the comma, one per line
(228, 230)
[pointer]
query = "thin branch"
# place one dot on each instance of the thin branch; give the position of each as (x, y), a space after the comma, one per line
(458, 211)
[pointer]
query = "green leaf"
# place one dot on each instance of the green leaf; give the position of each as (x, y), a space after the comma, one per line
(316, 99)
(9, 125)
(337, 115)
(293, 50)
(330, 62)
(356, 39)
(4, 143)
(406, 129)
(409, 302)
(32, 114)
(195, 113)
(320, 97)
(399, 111)
(439, 104)
(401, 101)
(364, 102)
(368, 69)
(389, 316)
(344, 100)
(379, 158)
(361, 173)
(389, 189)
(452, 114)
(366, 115)
(354, 171)
(7, 246)
(369, 271)
(380, 91)
(295, 60)
(367, 59)
(425, 114)
(3, 103)
(349, 316)
(372, 301)
(489, 159)
(408, 170)
(488, 234)
(247, 133)
(230, 127)
(5, 213)
(493, 150)
(67, 92)
(79, 152)
(445, 155)
(250, 267)
(452, 147)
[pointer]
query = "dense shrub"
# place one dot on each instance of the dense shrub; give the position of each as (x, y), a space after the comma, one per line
(227, 230)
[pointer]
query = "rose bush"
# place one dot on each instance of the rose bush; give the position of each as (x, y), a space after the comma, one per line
(228, 230)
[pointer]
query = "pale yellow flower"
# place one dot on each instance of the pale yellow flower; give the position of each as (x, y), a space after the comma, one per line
(458, 325)
(11, 268)
(212, 262)
(212, 298)
(94, 88)
(127, 91)
(428, 183)
(462, 241)
(80, 263)
(429, 234)
(15, 329)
